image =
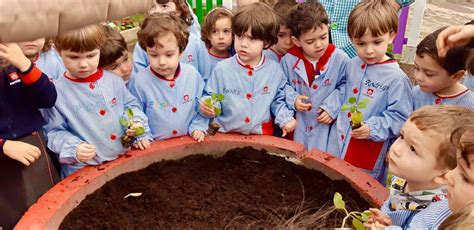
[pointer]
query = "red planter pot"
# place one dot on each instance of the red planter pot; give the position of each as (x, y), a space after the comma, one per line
(49, 211)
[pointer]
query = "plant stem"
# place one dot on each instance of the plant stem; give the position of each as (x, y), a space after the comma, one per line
(345, 218)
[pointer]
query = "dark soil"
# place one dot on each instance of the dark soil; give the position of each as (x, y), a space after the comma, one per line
(245, 188)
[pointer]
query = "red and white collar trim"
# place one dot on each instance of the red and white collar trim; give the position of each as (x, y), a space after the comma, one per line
(217, 56)
(452, 96)
(259, 64)
(91, 78)
(176, 74)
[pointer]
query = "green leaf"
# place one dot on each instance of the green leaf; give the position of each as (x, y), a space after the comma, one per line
(217, 111)
(352, 109)
(367, 214)
(344, 107)
(357, 224)
(220, 97)
(130, 113)
(338, 202)
(208, 102)
(139, 131)
(366, 100)
(123, 122)
(352, 100)
(362, 105)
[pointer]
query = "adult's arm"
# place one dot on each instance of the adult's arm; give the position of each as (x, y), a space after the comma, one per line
(25, 20)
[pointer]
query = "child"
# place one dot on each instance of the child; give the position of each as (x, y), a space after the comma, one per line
(26, 171)
(252, 85)
(439, 79)
(46, 58)
(217, 36)
(169, 91)
(84, 124)
(376, 77)
(114, 54)
(316, 70)
(418, 160)
(182, 9)
(282, 9)
(193, 49)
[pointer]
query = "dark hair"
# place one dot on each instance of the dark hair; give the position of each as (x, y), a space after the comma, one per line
(84, 39)
(375, 16)
(262, 21)
(455, 59)
(282, 9)
(48, 44)
(306, 17)
(210, 21)
(113, 48)
(182, 7)
(157, 25)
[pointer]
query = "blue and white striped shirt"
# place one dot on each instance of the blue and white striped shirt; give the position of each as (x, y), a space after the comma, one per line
(465, 98)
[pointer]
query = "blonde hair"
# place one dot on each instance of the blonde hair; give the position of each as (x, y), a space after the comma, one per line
(441, 120)
(85, 39)
(463, 138)
(464, 219)
(375, 16)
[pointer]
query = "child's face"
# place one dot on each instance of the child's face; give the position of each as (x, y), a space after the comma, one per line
(164, 60)
(460, 183)
(372, 49)
(284, 41)
(248, 48)
(413, 155)
(314, 43)
(430, 76)
(163, 8)
(121, 67)
(32, 48)
(221, 35)
(80, 65)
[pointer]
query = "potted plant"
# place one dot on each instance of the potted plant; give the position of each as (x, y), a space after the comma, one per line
(212, 102)
(354, 111)
(129, 124)
(358, 218)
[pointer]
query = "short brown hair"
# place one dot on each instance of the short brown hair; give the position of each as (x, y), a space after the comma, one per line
(157, 25)
(306, 17)
(463, 138)
(182, 8)
(282, 9)
(456, 58)
(262, 21)
(375, 16)
(441, 120)
(113, 48)
(210, 21)
(85, 39)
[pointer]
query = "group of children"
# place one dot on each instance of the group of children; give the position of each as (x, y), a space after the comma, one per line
(277, 71)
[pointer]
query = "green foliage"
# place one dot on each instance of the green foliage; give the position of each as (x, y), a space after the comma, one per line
(127, 22)
(358, 218)
(354, 109)
(212, 102)
(128, 123)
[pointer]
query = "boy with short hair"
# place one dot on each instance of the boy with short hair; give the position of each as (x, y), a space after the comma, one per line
(377, 78)
(84, 125)
(114, 54)
(316, 71)
(253, 86)
(282, 9)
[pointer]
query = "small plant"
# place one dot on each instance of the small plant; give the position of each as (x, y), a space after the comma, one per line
(127, 22)
(358, 218)
(355, 114)
(129, 124)
(212, 103)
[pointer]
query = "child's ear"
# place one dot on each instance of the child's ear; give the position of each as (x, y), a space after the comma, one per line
(458, 75)
(441, 179)
(295, 41)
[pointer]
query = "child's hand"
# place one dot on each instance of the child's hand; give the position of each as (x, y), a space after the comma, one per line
(21, 151)
(378, 217)
(85, 152)
(143, 144)
(375, 226)
(300, 106)
(206, 110)
(324, 117)
(288, 127)
(361, 132)
(13, 54)
(198, 135)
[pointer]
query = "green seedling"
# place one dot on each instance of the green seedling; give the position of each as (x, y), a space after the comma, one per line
(358, 218)
(212, 103)
(135, 126)
(354, 109)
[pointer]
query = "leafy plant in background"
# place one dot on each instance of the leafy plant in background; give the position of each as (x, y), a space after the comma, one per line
(135, 126)
(354, 109)
(358, 218)
(127, 22)
(212, 102)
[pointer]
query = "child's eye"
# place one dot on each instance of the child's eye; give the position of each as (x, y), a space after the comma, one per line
(360, 44)
(412, 149)
(153, 55)
(227, 31)
(91, 56)
(377, 42)
(213, 31)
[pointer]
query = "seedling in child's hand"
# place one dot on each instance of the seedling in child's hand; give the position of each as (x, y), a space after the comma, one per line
(354, 110)
(212, 103)
(134, 129)
(358, 218)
